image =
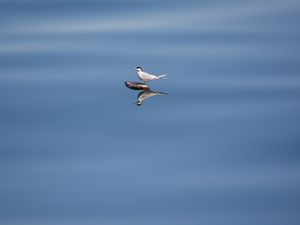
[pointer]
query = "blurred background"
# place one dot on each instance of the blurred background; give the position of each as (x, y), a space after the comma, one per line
(221, 148)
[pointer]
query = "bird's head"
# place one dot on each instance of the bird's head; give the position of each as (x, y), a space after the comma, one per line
(138, 68)
(138, 103)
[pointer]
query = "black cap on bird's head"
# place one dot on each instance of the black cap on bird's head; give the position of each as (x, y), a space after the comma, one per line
(138, 68)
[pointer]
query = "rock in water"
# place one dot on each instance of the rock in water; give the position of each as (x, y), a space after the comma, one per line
(136, 85)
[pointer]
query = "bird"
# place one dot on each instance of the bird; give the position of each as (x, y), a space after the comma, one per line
(145, 77)
(147, 94)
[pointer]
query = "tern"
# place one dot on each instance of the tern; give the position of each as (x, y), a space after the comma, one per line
(144, 76)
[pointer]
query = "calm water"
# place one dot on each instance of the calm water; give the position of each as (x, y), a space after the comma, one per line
(221, 148)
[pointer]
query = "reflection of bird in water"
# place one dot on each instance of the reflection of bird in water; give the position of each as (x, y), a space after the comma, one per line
(144, 94)
(147, 76)
(147, 94)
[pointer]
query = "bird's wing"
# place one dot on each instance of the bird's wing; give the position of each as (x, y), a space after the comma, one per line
(145, 74)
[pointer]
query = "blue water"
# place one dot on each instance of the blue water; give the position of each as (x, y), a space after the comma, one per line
(221, 148)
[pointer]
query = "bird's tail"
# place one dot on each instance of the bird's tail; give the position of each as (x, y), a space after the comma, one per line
(162, 93)
(163, 76)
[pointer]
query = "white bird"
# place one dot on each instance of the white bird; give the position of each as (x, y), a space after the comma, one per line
(147, 76)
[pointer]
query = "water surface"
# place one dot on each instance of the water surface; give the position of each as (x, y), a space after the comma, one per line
(221, 148)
